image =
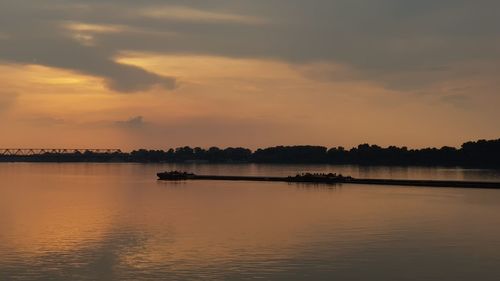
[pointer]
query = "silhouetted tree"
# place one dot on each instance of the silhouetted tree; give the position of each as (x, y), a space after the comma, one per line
(482, 153)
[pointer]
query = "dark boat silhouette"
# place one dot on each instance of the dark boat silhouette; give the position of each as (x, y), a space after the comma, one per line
(175, 176)
(306, 177)
(330, 179)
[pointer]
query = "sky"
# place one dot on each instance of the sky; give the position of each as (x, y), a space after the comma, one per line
(157, 74)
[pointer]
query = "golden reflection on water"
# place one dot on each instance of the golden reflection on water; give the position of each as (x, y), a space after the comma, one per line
(116, 222)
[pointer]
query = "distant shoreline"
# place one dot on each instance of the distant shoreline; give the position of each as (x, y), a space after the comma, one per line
(478, 154)
(2, 161)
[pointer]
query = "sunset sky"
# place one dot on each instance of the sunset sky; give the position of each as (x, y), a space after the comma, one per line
(156, 74)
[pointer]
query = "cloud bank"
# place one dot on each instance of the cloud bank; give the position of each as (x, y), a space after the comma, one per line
(404, 44)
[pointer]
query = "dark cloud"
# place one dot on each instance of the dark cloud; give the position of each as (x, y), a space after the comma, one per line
(36, 35)
(398, 42)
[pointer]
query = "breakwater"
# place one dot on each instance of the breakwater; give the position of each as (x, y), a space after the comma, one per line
(331, 179)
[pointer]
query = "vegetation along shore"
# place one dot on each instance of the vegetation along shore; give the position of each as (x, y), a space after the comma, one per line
(482, 153)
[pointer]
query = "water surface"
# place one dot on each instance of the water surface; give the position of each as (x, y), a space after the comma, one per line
(116, 222)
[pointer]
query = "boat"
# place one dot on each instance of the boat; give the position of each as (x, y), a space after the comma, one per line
(319, 178)
(331, 178)
(175, 176)
(299, 178)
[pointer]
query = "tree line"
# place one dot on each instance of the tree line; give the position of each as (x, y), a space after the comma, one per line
(481, 153)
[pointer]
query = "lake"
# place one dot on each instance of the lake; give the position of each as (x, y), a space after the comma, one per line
(117, 222)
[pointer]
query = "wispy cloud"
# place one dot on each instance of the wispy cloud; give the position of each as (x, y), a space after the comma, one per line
(460, 101)
(45, 121)
(93, 28)
(181, 13)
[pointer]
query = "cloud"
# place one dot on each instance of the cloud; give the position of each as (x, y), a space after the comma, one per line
(47, 42)
(84, 27)
(67, 54)
(132, 122)
(45, 121)
(397, 42)
(188, 14)
(457, 100)
(127, 78)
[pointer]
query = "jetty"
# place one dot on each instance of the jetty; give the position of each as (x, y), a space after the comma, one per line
(329, 179)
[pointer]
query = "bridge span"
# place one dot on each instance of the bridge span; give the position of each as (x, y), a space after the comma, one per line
(42, 151)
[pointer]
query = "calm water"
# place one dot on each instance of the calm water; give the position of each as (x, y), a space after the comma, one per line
(116, 222)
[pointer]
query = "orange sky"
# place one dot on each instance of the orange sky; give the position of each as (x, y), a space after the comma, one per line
(81, 88)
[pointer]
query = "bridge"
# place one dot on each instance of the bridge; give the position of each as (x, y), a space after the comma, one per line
(41, 151)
